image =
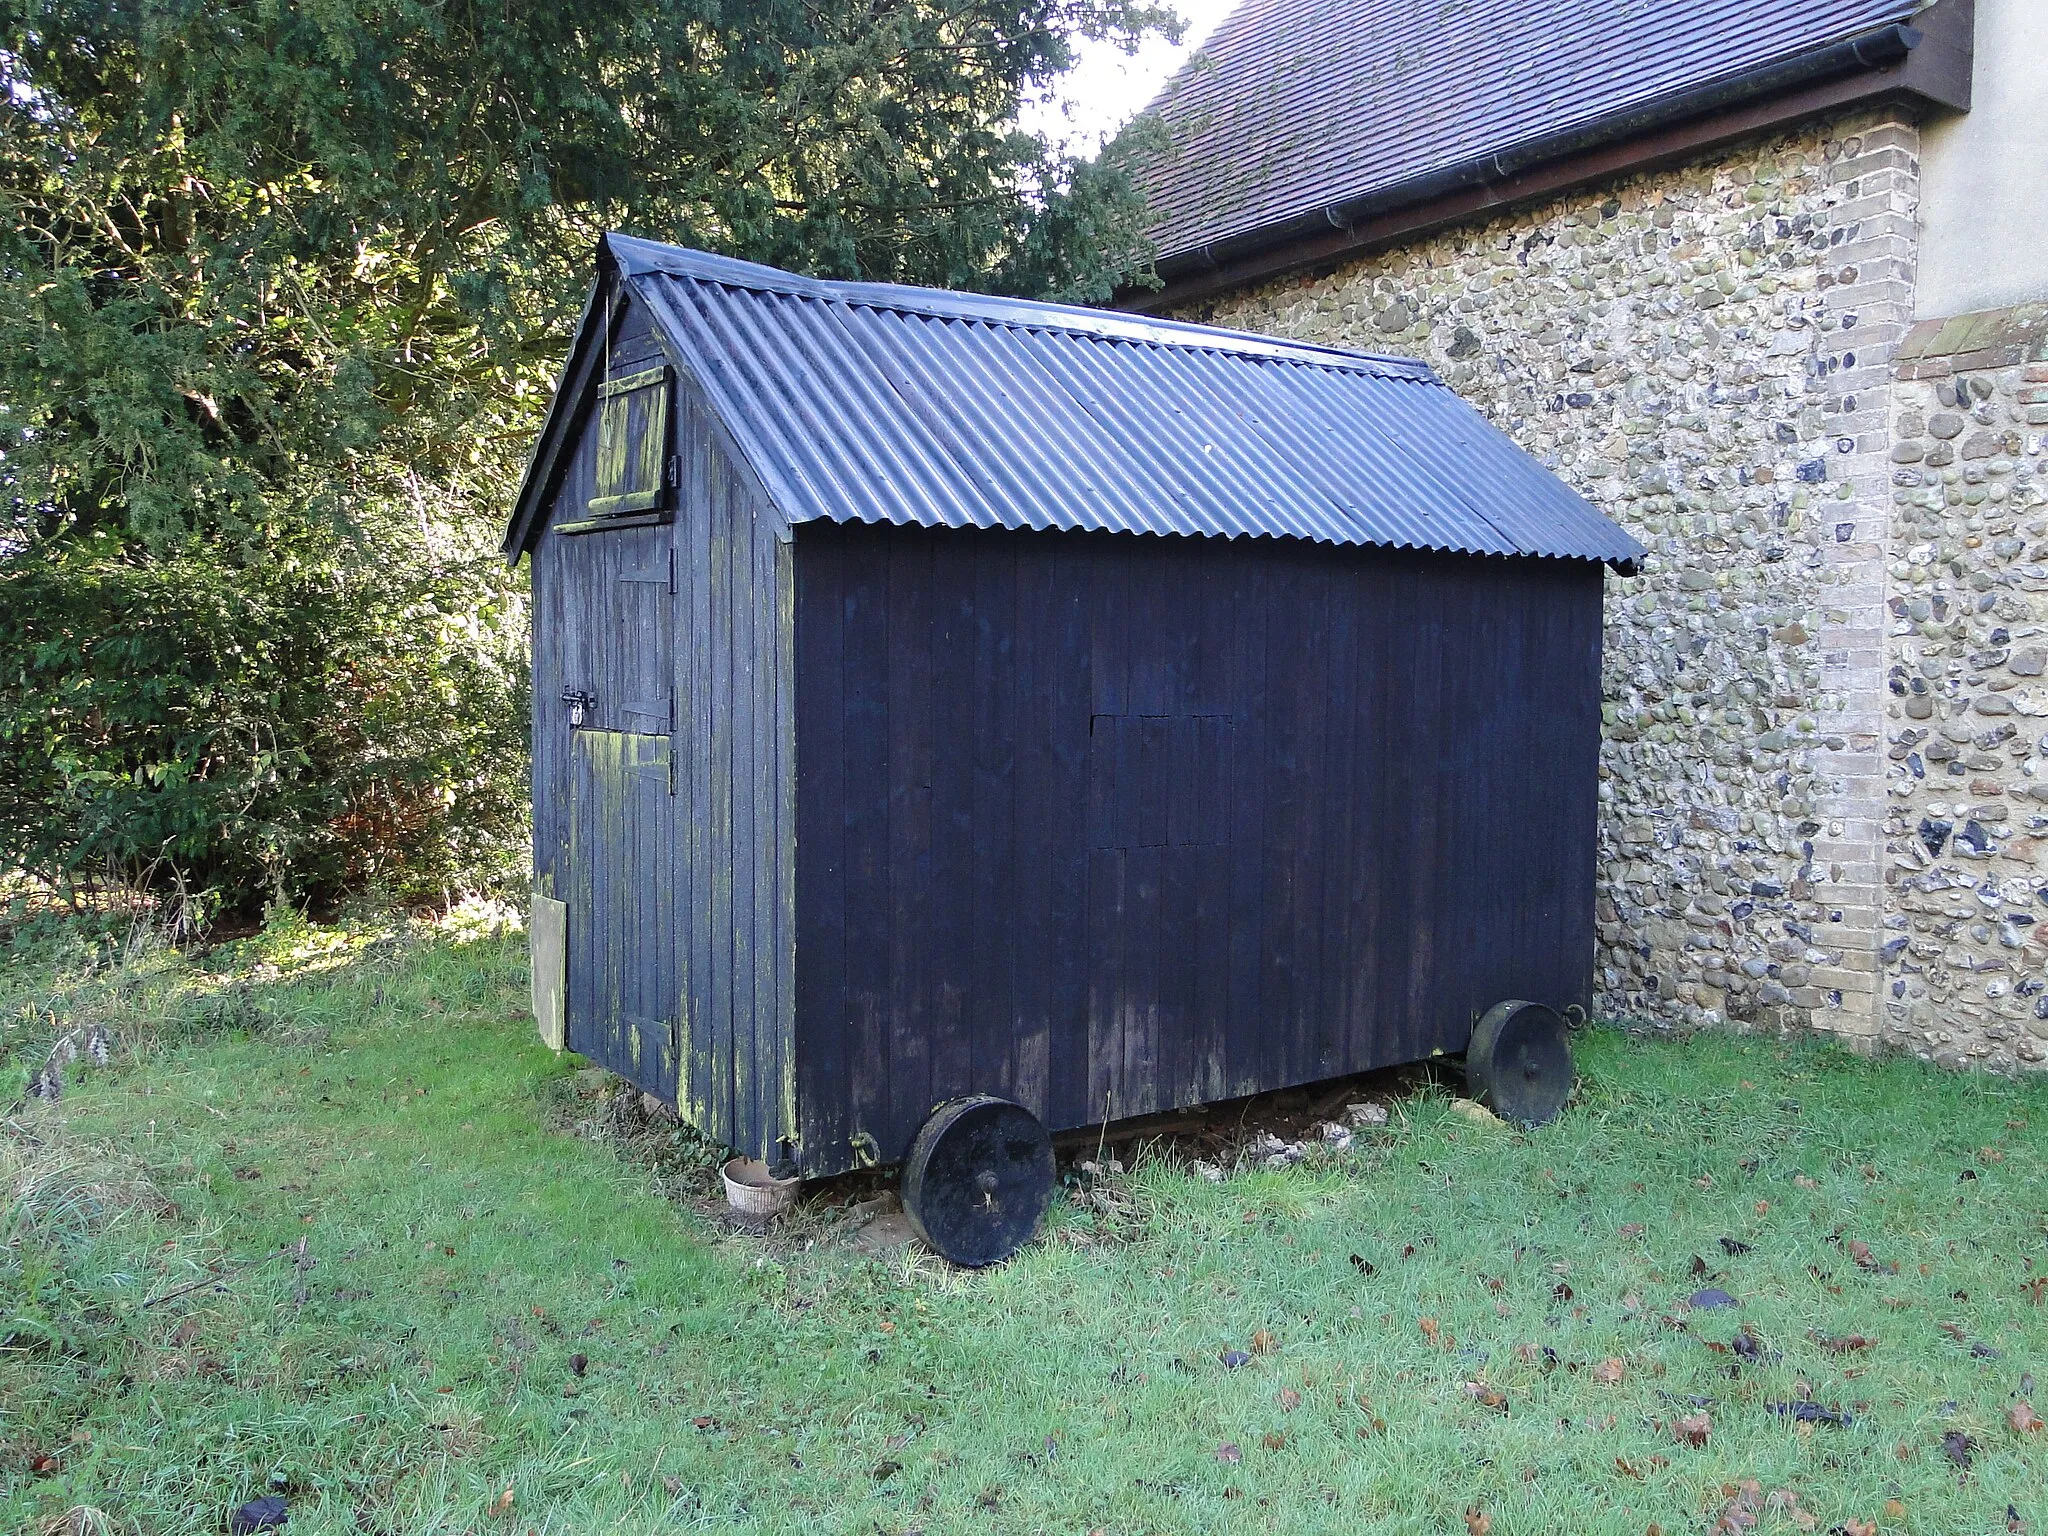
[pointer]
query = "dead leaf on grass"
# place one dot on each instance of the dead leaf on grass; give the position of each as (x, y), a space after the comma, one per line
(2023, 1419)
(1610, 1371)
(1263, 1342)
(1273, 1440)
(1866, 1260)
(1739, 1513)
(1844, 1344)
(1693, 1429)
(1289, 1399)
(1488, 1397)
(1959, 1448)
(1477, 1522)
(1229, 1453)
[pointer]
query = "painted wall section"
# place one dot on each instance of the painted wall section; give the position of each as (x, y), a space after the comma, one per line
(1982, 174)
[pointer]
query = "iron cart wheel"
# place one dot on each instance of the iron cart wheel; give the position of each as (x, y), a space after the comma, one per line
(1520, 1063)
(977, 1179)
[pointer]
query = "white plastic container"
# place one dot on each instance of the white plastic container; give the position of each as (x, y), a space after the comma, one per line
(751, 1190)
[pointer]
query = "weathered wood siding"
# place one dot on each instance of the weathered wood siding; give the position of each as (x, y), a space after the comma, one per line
(1108, 824)
(681, 630)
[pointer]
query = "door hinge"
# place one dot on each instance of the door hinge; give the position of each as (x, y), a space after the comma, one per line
(674, 473)
(578, 701)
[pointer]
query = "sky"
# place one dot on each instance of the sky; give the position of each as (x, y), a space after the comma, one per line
(1107, 87)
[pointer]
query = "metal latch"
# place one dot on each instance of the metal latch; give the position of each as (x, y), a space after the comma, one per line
(578, 701)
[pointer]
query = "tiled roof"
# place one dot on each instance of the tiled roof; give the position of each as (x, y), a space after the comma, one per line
(1296, 105)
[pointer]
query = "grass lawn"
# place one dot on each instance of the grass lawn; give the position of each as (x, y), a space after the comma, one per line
(501, 1325)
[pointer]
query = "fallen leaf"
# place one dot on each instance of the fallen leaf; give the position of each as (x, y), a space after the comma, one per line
(1709, 1299)
(1846, 1344)
(1363, 1265)
(1734, 1248)
(1959, 1448)
(1486, 1396)
(1263, 1343)
(1740, 1512)
(1233, 1358)
(1632, 1229)
(1289, 1399)
(2023, 1419)
(1693, 1429)
(578, 1364)
(1865, 1259)
(1609, 1371)
(268, 1513)
(1477, 1523)
(1855, 1527)
(1803, 1182)
(1894, 1510)
(884, 1470)
(1229, 1453)
(1273, 1440)
(501, 1506)
(1428, 1325)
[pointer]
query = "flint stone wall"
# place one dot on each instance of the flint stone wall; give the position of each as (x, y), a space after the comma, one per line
(1706, 353)
(1966, 920)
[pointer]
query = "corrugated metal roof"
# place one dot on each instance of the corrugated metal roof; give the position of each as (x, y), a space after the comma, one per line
(867, 402)
(1294, 105)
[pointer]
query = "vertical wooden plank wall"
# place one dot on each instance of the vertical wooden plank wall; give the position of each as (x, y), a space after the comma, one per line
(1113, 823)
(733, 563)
(729, 633)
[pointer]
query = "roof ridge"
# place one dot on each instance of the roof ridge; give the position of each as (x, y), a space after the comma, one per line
(635, 256)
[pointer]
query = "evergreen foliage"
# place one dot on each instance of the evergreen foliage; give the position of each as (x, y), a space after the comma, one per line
(282, 290)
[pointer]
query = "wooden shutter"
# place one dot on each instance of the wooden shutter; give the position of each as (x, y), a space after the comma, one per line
(632, 444)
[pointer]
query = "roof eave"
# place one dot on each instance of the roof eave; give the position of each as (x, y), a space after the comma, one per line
(1926, 64)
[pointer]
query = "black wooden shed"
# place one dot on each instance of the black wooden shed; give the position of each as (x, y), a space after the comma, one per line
(941, 695)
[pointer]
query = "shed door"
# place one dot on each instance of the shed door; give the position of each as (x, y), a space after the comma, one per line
(624, 991)
(618, 708)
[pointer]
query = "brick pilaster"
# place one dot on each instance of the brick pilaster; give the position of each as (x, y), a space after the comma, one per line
(1870, 304)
